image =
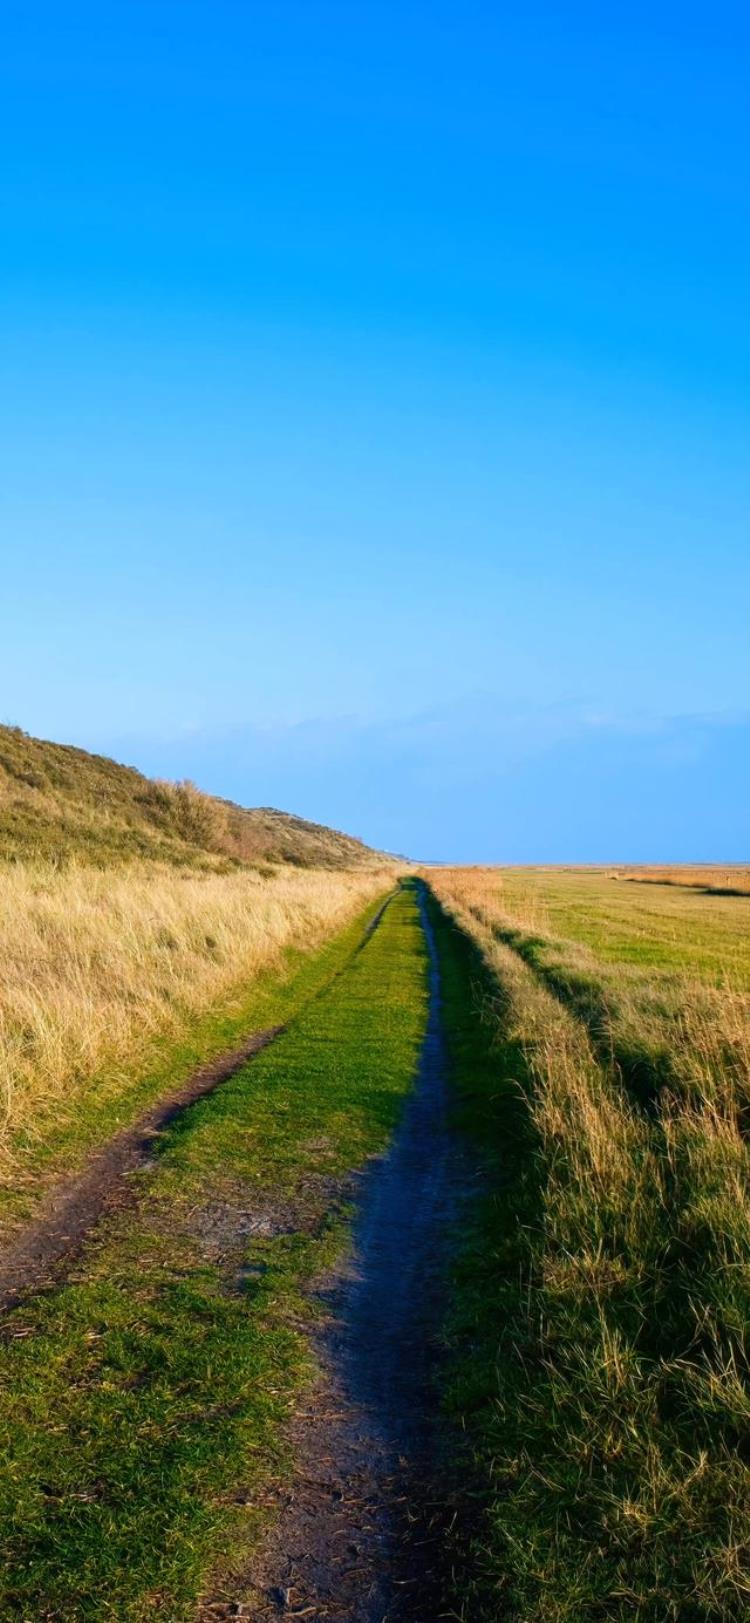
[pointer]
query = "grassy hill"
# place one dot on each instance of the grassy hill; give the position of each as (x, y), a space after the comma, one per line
(58, 802)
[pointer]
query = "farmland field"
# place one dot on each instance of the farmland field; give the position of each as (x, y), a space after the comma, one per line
(607, 1278)
(664, 926)
(436, 1306)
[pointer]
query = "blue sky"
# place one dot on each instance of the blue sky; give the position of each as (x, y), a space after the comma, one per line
(375, 412)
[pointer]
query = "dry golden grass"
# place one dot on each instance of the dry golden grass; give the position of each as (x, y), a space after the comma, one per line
(661, 982)
(95, 965)
(728, 881)
(580, 1103)
(618, 1431)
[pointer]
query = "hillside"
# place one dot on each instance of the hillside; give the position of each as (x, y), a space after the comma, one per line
(58, 802)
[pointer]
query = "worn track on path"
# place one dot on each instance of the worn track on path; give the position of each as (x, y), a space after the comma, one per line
(43, 1251)
(356, 1540)
(41, 1254)
(181, 1303)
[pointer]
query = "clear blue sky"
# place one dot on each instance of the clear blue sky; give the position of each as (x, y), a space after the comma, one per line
(375, 411)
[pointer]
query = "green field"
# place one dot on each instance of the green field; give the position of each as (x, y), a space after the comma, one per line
(654, 926)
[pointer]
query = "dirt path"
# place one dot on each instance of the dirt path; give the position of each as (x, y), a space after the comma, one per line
(353, 1540)
(43, 1251)
(40, 1256)
(357, 1536)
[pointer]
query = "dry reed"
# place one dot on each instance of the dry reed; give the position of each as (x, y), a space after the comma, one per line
(96, 964)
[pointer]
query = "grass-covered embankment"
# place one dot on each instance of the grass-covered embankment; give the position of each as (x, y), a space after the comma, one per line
(60, 804)
(597, 1343)
(143, 1404)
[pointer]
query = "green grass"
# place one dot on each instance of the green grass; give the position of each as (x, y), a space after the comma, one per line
(144, 1402)
(658, 976)
(657, 927)
(597, 1355)
(96, 1114)
(489, 1277)
(595, 1376)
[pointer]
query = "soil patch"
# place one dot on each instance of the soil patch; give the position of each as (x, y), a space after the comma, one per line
(44, 1250)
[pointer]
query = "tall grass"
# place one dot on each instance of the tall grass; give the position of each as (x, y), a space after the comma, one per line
(722, 881)
(615, 1438)
(146, 1403)
(96, 964)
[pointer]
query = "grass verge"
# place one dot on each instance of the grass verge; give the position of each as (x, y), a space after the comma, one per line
(597, 1355)
(115, 988)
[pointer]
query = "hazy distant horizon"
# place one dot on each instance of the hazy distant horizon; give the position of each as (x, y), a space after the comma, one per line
(325, 774)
